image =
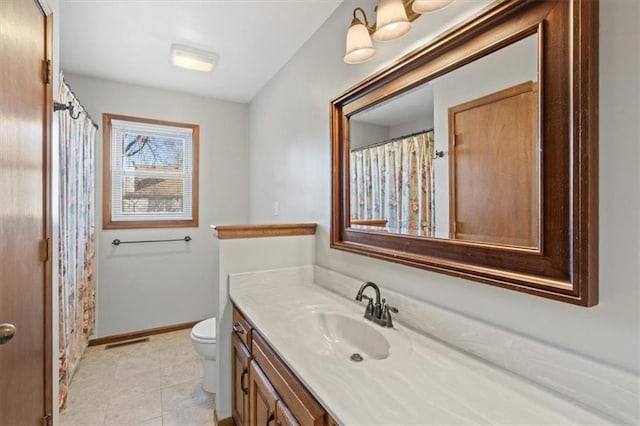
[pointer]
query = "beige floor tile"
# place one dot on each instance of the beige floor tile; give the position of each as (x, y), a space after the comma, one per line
(180, 372)
(186, 395)
(192, 416)
(82, 417)
(153, 422)
(146, 380)
(150, 383)
(126, 409)
(135, 364)
(79, 400)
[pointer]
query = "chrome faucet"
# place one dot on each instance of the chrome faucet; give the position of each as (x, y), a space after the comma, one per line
(380, 313)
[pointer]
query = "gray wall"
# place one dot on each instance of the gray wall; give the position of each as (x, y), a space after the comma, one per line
(362, 134)
(143, 286)
(290, 163)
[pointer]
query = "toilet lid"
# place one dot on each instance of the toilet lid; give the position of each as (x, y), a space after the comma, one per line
(205, 329)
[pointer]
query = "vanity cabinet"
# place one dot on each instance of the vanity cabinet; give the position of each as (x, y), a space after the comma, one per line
(262, 397)
(240, 372)
(265, 391)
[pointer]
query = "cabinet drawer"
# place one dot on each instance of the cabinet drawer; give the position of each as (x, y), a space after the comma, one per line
(242, 328)
(306, 410)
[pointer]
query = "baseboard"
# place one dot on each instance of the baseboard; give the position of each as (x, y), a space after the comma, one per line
(141, 333)
(224, 422)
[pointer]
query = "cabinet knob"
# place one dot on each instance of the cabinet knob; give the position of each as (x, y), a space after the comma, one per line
(237, 328)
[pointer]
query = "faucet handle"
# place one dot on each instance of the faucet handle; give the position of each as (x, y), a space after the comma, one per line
(368, 313)
(385, 318)
(388, 307)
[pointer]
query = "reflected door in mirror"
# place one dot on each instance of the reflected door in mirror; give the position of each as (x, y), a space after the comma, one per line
(493, 166)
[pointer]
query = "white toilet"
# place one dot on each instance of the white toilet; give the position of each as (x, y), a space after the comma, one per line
(203, 338)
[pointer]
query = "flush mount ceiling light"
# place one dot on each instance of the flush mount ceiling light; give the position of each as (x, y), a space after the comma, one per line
(393, 20)
(193, 59)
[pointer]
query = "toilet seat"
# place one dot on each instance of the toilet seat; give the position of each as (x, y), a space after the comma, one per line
(205, 331)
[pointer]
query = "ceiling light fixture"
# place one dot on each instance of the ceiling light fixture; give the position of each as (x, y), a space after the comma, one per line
(193, 59)
(393, 20)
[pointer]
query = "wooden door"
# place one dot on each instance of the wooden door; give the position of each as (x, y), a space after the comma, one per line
(284, 416)
(262, 397)
(494, 168)
(24, 94)
(240, 373)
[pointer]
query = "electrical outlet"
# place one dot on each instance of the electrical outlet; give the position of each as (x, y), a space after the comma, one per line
(276, 208)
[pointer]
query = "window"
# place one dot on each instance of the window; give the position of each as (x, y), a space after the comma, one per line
(150, 171)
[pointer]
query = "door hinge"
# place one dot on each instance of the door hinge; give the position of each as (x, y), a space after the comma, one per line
(46, 71)
(46, 420)
(45, 247)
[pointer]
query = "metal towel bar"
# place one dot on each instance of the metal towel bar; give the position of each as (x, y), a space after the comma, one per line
(117, 242)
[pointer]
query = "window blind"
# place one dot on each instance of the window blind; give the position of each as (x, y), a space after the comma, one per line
(151, 172)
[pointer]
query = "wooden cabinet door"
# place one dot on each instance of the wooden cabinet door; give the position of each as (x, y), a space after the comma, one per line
(240, 367)
(331, 422)
(284, 416)
(294, 395)
(262, 397)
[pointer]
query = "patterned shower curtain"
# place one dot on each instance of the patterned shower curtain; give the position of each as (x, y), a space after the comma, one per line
(394, 181)
(77, 237)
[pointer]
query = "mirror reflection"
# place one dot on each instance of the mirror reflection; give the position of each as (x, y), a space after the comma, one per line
(457, 157)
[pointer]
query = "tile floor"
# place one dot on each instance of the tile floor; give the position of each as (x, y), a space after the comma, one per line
(153, 383)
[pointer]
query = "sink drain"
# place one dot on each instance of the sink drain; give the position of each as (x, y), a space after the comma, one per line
(356, 357)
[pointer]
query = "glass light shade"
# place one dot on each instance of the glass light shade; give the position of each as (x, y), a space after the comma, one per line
(391, 21)
(427, 6)
(193, 59)
(359, 45)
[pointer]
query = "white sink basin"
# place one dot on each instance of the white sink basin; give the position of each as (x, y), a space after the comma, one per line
(340, 336)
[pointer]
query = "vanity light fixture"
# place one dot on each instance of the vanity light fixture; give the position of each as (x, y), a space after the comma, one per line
(428, 6)
(192, 58)
(393, 20)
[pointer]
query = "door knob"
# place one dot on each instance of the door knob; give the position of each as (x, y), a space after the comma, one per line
(7, 331)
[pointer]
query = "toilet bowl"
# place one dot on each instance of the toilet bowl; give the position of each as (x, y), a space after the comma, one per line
(203, 338)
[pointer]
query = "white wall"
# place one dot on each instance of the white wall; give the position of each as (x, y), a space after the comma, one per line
(142, 286)
(290, 162)
(244, 255)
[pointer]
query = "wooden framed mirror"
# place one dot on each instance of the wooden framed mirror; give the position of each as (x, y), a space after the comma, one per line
(476, 155)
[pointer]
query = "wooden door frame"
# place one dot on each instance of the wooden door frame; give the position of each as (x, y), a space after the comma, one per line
(48, 211)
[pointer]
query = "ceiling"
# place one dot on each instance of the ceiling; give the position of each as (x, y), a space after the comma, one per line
(406, 108)
(129, 40)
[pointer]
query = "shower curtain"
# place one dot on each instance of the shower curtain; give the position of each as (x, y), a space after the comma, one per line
(394, 181)
(77, 236)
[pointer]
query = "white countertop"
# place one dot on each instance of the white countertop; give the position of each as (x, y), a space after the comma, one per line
(423, 381)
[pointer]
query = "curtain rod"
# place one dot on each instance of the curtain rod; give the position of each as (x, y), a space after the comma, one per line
(391, 140)
(57, 106)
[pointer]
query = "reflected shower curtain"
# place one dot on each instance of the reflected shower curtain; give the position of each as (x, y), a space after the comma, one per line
(394, 181)
(77, 237)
